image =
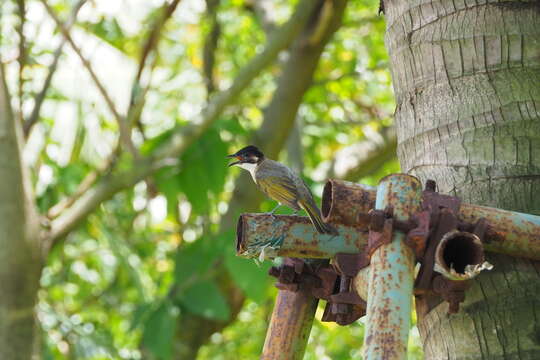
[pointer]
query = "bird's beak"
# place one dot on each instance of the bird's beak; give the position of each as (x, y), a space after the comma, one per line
(234, 162)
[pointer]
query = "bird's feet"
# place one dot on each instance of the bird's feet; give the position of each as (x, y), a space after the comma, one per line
(271, 213)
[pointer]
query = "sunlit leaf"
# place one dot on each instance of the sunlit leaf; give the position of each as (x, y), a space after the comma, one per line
(253, 279)
(205, 299)
(195, 259)
(159, 330)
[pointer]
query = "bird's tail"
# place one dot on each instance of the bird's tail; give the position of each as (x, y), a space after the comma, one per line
(315, 216)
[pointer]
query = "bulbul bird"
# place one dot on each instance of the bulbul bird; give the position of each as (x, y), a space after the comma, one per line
(280, 183)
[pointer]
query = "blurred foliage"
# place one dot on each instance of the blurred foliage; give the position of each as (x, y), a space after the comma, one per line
(117, 286)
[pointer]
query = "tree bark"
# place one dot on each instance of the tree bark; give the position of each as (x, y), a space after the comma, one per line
(466, 77)
(20, 263)
(279, 118)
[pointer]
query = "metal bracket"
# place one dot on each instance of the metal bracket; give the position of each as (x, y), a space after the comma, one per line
(345, 306)
(382, 225)
(442, 213)
(295, 275)
(332, 283)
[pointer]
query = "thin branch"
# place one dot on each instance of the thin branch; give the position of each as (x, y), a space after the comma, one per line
(40, 97)
(22, 57)
(83, 187)
(264, 12)
(123, 126)
(210, 45)
(136, 102)
(153, 38)
(109, 185)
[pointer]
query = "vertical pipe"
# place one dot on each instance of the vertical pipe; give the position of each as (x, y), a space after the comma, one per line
(292, 318)
(391, 275)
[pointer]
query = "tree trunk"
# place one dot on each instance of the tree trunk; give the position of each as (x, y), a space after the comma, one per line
(20, 264)
(467, 83)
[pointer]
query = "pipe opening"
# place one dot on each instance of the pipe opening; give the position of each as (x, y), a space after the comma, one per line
(239, 233)
(328, 194)
(457, 250)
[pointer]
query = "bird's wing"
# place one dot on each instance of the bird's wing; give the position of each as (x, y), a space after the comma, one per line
(279, 188)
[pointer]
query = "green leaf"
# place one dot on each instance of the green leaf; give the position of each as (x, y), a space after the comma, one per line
(216, 162)
(204, 168)
(140, 315)
(195, 259)
(155, 142)
(205, 299)
(159, 330)
(109, 31)
(251, 278)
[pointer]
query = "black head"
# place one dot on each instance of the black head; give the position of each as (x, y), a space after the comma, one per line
(249, 154)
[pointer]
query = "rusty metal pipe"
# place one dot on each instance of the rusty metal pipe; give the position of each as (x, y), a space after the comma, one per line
(391, 275)
(292, 318)
(460, 256)
(347, 203)
(509, 232)
(361, 281)
(269, 236)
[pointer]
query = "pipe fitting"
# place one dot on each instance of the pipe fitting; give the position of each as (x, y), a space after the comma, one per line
(460, 256)
(347, 203)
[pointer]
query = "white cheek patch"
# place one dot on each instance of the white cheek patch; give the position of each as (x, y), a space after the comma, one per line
(249, 167)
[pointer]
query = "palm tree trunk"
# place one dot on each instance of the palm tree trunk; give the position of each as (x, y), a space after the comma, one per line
(467, 83)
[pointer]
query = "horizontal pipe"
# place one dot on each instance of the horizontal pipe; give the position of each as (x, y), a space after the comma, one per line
(269, 236)
(508, 232)
(460, 256)
(347, 203)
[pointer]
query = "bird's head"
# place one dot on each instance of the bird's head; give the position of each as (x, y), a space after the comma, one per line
(247, 155)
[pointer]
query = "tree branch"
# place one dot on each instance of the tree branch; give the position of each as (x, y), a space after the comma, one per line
(109, 185)
(22, 58)
(83, 187)
(295, 154)
(40, 97)
(264, 13)
(210, 45)
(369, 156)
(278, 40)
(136, 102)
(123, 126)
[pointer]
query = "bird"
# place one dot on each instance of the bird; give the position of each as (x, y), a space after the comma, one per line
(280, 183)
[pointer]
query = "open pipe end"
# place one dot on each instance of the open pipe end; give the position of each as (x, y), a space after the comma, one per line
(326, 206)
(343, 202)
(240, 235)
(460, 256)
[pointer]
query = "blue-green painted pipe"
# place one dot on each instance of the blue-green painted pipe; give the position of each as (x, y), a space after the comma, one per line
(390, 284)
(268, 236)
